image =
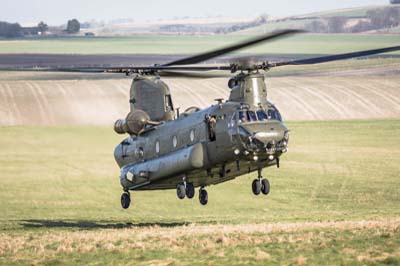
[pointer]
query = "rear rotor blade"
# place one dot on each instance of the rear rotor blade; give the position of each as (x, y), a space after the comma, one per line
(211, 54)
(330, 58)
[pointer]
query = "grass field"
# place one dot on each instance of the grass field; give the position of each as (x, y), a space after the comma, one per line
(335, 200)
(142, 44)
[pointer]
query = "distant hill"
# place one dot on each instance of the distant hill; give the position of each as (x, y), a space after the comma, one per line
(352, 15)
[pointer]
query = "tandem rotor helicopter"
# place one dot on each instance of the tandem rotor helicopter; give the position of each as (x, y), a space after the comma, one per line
(167, 149)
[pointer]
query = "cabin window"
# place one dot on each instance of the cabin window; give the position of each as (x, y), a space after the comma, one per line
(174, 141)
(157, 146)
(139, 153)
(192, 135)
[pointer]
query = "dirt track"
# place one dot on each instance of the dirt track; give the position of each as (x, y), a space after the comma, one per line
(101, 102)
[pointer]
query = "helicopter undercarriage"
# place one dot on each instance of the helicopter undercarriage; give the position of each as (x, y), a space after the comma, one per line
(185, 185)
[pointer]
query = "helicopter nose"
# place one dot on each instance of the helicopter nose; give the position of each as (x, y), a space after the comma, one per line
(267, 132)
(270, 136)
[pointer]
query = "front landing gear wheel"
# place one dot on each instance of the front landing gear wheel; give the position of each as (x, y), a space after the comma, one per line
(125, 200)
(265, 187)
(189, 190)
(180, 191)
(256, 187)
(203, 196)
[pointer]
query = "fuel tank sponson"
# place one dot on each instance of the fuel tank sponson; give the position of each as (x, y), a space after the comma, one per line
(178, 162)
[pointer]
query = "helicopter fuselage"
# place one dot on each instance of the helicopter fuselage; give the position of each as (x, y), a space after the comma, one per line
(207, 147)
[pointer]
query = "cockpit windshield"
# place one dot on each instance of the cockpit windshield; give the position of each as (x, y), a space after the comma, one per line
(260, 115)
(247, 116)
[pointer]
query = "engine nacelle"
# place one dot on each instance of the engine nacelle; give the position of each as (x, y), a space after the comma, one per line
(134, 123)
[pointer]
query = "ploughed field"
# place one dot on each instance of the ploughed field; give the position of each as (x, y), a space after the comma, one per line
(335, 200)
(98, 101)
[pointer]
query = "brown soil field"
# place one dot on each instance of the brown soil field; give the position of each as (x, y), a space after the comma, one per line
(102, 101)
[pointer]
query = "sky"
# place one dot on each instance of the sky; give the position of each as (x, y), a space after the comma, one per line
(56, 12)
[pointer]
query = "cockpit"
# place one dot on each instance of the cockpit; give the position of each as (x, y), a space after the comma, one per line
(272, 113)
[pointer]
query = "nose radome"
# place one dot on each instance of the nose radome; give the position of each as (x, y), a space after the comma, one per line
(266, 137)
(267, 132)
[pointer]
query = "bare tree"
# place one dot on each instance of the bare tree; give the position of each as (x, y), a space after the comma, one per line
(336, 24)
(10, 30)
(43, 27)
(73, 26)
(384, 18)
(316, 26)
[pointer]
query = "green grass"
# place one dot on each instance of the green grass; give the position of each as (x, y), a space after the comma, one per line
(59, 202)
(142, 44)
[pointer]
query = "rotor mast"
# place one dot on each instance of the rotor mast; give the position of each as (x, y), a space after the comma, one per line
(249, 89)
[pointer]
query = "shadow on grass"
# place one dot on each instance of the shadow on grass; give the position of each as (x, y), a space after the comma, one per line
(87, 225)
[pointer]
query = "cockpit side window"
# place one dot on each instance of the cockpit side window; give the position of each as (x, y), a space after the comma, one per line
(274, 114)
(243, 117)
(233, 120)
(252, 116)
(168, 103)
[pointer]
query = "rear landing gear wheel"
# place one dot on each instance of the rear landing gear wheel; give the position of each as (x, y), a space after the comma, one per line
(265, 187)
(125, 200)
(180, 191)
(203, 196)
(256, 187)
(190, 190)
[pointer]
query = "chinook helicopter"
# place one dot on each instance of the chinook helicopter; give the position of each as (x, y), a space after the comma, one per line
(166, 149)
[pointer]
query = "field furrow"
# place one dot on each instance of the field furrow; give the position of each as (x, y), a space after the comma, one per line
(60, 102)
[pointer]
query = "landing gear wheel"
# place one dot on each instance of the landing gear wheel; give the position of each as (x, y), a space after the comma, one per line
(180, 191)
(125, 200)
(265, 187)
(203, 196)
(256, 187)
(190, 190)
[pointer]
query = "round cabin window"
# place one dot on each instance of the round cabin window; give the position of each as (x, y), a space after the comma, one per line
(192, 135)
(158, 147)
(140, 152)
(174, 141)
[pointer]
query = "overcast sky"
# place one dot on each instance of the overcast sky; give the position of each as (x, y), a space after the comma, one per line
(59, 11)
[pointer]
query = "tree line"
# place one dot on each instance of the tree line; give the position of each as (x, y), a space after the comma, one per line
(15, 30)
(376, 19)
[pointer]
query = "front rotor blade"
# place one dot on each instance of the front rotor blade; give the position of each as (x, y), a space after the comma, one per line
(330, 58)
(209, 55)
(194, 75)
(55, 69)
(127, 69)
